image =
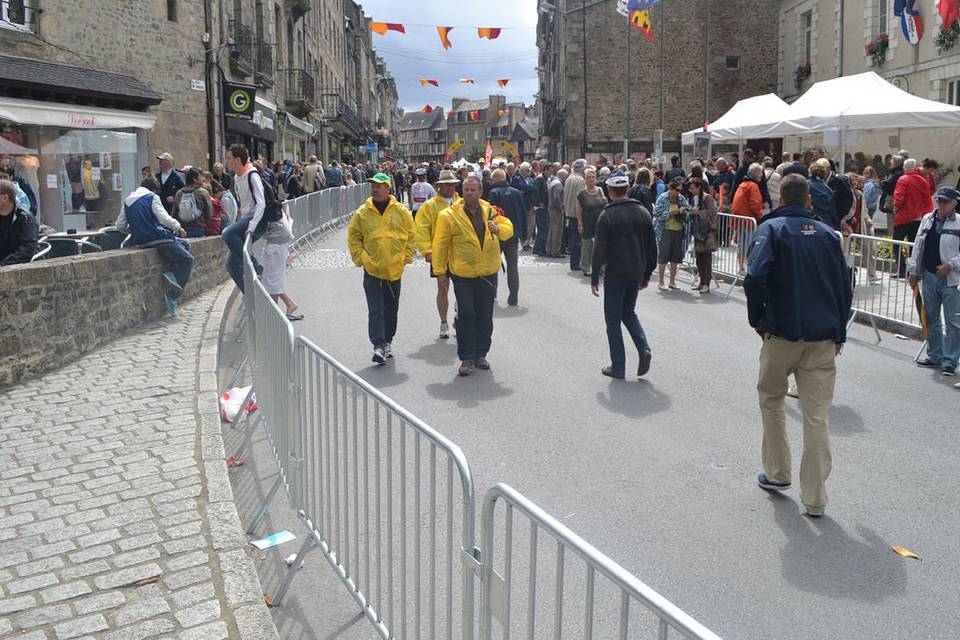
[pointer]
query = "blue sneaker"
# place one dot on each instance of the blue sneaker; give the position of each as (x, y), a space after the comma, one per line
(765, 483)
(171, 304)
(172, 281)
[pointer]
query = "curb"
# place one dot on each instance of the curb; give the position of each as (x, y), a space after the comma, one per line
(243, 594)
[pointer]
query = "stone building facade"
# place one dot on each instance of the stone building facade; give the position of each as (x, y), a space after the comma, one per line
(585, 87)
(422, 137)
(472, 121)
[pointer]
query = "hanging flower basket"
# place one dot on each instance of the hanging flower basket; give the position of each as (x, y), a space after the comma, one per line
(947, 36)
(877, 49)
(802, 73)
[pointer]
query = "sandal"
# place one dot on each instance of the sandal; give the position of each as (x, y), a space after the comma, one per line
(293, 318)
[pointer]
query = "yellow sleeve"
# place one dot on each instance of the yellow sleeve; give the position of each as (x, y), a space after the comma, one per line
(424, 222)
(411, 246)
(355, 239)
(441, 243)
(506, 227)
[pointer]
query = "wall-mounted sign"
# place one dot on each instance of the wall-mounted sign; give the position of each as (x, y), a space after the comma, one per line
(238, 101)
(197, 85)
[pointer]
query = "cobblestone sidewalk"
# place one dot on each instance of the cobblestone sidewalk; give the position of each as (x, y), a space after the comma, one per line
(116, 514)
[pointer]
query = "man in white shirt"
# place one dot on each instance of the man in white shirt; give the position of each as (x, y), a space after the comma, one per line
(420, 191)
(251, 205)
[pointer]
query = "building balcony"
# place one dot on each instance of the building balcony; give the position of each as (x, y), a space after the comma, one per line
(264, 65)
(301, 92)
(336, 110)
(241, 52)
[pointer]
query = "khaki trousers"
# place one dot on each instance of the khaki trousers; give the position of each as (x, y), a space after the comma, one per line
(555, 233)
(814, 367)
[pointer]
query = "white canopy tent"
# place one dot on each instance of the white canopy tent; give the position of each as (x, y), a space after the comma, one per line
(749, 118)
(862, 102)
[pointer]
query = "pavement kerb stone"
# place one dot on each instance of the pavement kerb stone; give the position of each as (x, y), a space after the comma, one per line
(249, 612)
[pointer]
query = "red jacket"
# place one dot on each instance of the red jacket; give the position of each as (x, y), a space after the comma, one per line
(912, 199)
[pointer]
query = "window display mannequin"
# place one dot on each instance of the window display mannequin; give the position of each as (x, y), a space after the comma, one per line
(74, 168)
(91, 188)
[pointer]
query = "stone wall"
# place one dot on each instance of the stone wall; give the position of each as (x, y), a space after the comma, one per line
(53, 311)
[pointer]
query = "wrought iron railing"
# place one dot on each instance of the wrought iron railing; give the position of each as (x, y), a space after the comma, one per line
(300, 87)
(242, 49)
(264, 58)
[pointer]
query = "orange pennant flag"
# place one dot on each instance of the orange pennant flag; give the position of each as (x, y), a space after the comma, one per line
(427, 109)
(382, 27)
(424, 83)
(641, 20)
(490, 33)
(503, 82)
(444, 40)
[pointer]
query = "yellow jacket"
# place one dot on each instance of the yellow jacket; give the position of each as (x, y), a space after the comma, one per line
(382, 244)
(427, 221)
(455, 245)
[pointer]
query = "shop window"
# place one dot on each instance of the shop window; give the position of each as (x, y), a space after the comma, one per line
(732, 63)
(17, 14)
(172, 10)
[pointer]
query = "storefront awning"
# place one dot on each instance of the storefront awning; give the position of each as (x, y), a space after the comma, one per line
(299, 124)
(72, 116)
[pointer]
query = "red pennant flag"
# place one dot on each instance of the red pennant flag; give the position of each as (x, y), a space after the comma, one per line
(489, 154)
(424, 83)
(382, 27)
(444, 40)
(474, 115)
(503, 82)
(490, 33)
(427, 109)
(467, 81)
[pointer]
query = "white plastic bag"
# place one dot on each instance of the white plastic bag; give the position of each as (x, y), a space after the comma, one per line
(231, 403)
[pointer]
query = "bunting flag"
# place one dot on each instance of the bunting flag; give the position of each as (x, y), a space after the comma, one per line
(949, 11)
(488, 156)
(427, 109)
(424, 83)
(467, 81)
(640, 20)
(490, 33)
(382, 27)
(444, 40)
(503, 83)
(474, 115)
(501, 112)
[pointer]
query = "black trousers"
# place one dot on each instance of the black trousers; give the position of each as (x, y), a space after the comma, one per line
(383, 300)
(906, 232)
(475, 298)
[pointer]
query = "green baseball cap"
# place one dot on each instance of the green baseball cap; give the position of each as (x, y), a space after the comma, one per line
(380, 178)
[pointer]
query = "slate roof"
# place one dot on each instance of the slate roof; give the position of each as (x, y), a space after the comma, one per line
(419, 120)
(25, 77)
(472, 105)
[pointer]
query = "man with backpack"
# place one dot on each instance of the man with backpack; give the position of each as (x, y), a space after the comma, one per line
(258, 205)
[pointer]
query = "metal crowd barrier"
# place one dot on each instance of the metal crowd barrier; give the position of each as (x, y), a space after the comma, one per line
(878, 292)
(498, 593)
(388, 500)
(734, 235)
(317, 213)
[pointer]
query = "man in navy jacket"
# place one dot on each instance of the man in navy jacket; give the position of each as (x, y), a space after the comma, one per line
(798, 300)
(510, 200)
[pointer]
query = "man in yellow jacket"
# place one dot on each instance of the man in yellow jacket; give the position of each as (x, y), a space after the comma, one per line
(467, 246)
(382, 240)
(426, 229)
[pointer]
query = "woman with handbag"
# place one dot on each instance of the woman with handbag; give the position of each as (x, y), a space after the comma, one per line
(279, 235)
(703, 223)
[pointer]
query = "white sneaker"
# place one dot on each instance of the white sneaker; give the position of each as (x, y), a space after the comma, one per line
(444, 330)
(378, 357)
(388, 350)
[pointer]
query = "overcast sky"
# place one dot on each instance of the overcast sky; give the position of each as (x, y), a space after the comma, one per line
(418, 54)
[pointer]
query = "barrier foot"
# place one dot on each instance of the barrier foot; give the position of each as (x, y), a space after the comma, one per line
(923, 346)
(873, 323)
(733, 286)
(236, 376)
(292, 571)
(265, 505)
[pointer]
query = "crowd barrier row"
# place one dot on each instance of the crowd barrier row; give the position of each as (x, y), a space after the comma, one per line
(391, 505)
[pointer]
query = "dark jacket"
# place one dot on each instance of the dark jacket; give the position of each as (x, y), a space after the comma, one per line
(824, 203)
(526, 187)
(540, 197)
(843, 196)
(169, 188)
(798, 284)
(625, 245)
(643, 195)
(31, 196)
(18, 241)
(510, 200)
(798, 168)
(225, 180)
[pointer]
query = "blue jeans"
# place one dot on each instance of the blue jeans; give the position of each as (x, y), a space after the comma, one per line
(474, 323)
(619, 302)
(573, 243)
(176, 253)
(937, 295)
(383, 300)
(543, 225)
(234, 236)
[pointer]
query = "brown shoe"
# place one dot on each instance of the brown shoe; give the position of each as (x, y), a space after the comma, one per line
(466, 368)
(482, 364)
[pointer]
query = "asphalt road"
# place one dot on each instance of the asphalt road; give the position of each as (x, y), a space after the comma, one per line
(660, 473)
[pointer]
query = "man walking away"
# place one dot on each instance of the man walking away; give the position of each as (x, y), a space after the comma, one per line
(427, 229)
(334, 175)
(625, 252)
(571, 189)
(935, 265)
(555, 209)
(798, 300)
(467, 246)
(541, 201)
(382, 241)
(510, 201)
(310, 173)
(420, 191)
(151, 227)
(251, 205)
